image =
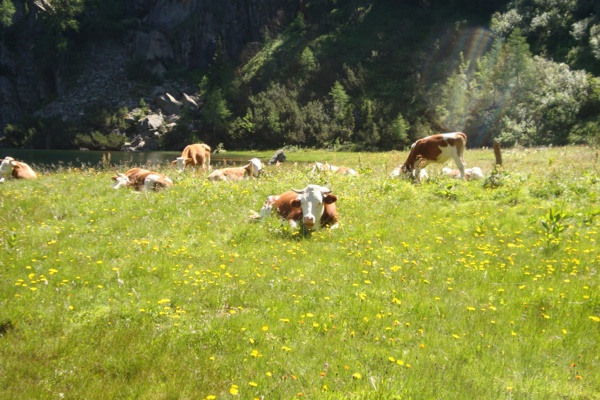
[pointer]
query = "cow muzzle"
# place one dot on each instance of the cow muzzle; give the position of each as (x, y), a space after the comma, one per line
(309, 221)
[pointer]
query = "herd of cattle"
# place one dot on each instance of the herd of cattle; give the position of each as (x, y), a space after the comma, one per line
(314, 206)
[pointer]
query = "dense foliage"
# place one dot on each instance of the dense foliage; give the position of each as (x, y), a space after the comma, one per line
(359, 74)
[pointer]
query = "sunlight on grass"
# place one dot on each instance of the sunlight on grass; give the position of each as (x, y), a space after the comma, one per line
(425, 291)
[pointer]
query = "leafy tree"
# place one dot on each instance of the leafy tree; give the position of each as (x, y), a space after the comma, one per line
(368, 130)
(308, 62)
(277, 117)
(513, 97)
(399, 130)
(342, 112)
(7, 11)
(455, 96)
(215, 113)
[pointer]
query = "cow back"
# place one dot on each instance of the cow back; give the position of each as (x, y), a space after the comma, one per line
(284, 208)
(330, 215)
(22, 171)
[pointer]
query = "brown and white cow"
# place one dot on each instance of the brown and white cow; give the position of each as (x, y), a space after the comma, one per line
(320, 167)
(314, 207)
(252, 169)
(9, 167)
(197, 154)
(142, 179)
(438, 149)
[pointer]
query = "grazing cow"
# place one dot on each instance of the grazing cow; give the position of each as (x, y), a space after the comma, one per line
(470, 173)
(142, 179)
(439, 149)
(314, 206)
(197, 154)
(9, 167)
(320, 167)
(253, 168)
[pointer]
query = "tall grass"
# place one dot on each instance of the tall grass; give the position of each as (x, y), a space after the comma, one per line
(445, 290)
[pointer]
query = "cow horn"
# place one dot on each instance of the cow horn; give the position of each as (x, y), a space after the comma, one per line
(298, 191)
(325, 190)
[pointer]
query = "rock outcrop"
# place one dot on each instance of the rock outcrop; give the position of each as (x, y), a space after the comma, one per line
(169, 34)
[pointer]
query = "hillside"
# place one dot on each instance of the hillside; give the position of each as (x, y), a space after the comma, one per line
(337, 74)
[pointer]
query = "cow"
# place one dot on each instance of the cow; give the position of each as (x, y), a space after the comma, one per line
(253, 169)
(438, 149)
(470, 173)
(197, 154)
(142, 179)
(9, 167)
(314, 207)
(278, 157)
(320, 167)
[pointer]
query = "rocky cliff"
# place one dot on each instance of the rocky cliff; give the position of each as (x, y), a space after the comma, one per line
(168, 35)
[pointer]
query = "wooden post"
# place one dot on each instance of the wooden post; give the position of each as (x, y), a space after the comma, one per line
(497, 153)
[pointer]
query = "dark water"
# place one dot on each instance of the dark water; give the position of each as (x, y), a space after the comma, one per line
(77, 158)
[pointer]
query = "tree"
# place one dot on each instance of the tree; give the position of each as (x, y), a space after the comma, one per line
(7, 10)
(216, 114)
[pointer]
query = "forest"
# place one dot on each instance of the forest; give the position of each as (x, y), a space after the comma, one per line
(336, 74)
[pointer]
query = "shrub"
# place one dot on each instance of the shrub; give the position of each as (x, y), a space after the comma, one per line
(98, 141)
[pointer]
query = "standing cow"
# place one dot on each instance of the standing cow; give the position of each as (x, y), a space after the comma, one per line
(438, 149)
(197, 154)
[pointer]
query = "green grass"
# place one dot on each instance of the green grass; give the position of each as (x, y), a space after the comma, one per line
(444, 290)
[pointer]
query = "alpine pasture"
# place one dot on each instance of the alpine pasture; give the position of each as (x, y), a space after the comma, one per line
(483, 289)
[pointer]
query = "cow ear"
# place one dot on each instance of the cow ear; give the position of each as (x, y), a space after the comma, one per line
(114, 178)
(329, 198)
(173, 162)
(296, 202)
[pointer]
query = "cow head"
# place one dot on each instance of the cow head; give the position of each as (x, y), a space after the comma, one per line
(312, 199)
(181, 162)
(6, 166)
(255, 167)
(120, 181)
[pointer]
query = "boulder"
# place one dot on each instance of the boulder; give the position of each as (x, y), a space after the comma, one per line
(168, 103)
(150, 123)
(152, 46)
(189, 102)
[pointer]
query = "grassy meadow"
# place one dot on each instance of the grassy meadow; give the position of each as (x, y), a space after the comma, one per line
(447, 289)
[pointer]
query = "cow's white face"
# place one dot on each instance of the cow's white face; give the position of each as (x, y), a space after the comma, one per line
(255, 167)
(6, 167)
(312, 200)
(180, 162)
(120, 181)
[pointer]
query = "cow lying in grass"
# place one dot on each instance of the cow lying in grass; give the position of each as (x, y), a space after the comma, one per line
(314, 207)
(320, 167)
(197, 154)
(142, 179)
(470, 173)
(10, 168)
(438, 149)
(252, 169)
(423, 175)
